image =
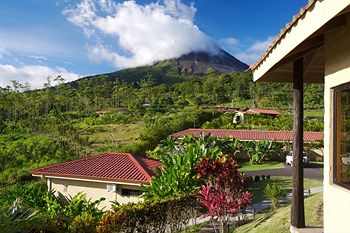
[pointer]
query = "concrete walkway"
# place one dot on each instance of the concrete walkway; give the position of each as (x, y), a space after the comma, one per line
(257, 207)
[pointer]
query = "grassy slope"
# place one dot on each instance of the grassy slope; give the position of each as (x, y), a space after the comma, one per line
(278, 221)
(285, 183)
(107, 138)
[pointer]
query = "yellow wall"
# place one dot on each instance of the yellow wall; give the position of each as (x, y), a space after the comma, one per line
(337, 71)
(93, 190)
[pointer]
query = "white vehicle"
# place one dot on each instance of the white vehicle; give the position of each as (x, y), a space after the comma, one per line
(289, 158)
(346, 159)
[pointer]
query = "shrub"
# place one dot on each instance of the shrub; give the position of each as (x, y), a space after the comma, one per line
(249, 179)
(273, 192)
(256, 178)
(150, 216)
(223, 195)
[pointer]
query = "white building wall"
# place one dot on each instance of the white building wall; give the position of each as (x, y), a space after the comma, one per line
(93, 190)
(337, 72)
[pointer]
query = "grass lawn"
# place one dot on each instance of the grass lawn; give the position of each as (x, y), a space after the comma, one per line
(285, 183)
(318, 112)
(110, 137)
(247, 166)
(279, 220)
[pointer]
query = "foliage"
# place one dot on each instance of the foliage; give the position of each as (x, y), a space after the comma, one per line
(74, 206)
(19, 152)
(178, 175)
(224, 193)
(31, 194)
(151, 215)
(273, 192)
(259, 150)
(31, 206)
(21, 218)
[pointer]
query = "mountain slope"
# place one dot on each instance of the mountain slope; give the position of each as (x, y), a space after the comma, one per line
(175, 70)
(200, 62)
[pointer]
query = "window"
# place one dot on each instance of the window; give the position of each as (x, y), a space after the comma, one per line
(342, 135)
(131, 192)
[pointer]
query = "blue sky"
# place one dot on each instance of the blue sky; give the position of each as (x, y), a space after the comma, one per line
(40, 38)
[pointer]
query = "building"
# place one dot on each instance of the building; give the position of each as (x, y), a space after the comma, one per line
(315, 48)
(249, 135)
(264, 112)
(315, 153)
(114, 176)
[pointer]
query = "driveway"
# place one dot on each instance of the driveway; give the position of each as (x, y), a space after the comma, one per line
(311, 171)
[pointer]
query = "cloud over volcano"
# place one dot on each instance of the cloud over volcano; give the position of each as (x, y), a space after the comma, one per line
(129, 34)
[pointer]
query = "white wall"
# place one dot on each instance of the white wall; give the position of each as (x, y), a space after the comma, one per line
(337, 71)
(93, 190)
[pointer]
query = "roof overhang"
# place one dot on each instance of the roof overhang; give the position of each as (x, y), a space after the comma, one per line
(90, 179)
(303, 37)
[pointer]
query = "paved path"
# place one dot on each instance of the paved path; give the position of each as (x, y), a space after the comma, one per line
(311, 171)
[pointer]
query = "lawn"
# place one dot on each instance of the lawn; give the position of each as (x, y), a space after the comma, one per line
(285, 183)
(247, 166)
(279, 220)
(110, 137)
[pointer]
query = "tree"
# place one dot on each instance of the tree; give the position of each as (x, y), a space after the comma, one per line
(223, 194)
(258, 150)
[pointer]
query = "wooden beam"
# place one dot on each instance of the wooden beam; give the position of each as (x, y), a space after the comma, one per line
(297, 212)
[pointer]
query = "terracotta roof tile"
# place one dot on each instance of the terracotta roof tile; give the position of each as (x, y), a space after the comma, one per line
(263, 111)
(249, 134)
(123, 167)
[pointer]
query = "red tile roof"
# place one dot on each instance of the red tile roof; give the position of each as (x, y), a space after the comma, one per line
(283, 32)
(122, 167)
(249, 134)
(263, 111)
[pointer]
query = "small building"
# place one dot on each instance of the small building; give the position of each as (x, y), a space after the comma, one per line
(257, 135)
(315, 48)
(264, 112)
(118, 177)
(249, 135)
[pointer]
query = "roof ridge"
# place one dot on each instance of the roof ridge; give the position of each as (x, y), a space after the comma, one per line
(138, 165)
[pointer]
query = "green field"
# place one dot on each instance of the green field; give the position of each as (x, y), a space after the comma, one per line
(112, 137)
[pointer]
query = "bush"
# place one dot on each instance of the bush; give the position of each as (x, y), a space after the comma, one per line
(273, 192)
(150, 216)
(256, 178)
(248, 179)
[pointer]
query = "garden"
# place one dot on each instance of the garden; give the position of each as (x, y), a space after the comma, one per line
(200, 179)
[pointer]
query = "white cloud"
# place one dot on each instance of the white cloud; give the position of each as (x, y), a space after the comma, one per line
(35, 75)
(231, 41)
(146, 33)
(255, 51)
(3, 52)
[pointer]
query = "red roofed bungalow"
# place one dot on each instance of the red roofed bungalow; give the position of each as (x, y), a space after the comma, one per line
(249, 135)
(269, 112)
(114, 176)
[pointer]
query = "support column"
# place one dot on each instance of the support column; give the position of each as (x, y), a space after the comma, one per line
(298, 215)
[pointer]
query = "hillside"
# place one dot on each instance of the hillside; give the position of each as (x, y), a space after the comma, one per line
(173, 71)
